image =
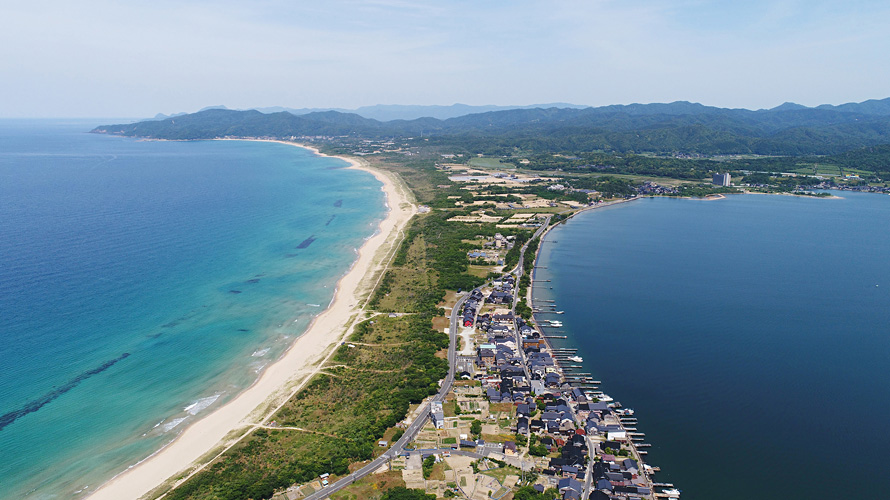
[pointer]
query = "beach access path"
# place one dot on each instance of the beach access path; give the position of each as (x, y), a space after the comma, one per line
(207, 438)
(411, 431)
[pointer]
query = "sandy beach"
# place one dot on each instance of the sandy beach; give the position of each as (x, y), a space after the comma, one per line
(212, 435)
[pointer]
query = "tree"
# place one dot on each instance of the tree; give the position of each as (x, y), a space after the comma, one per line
(529, 493)
(538, 450)
(476, 427)
(427, 466)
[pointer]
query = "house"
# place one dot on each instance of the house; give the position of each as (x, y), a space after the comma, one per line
(618, 477)
(503, 318)
(522, 426)
(551, 380)
(570, 488)
(569, 471)
(630, 465)
(493, 394)
(604, 484)
(498, 297)
(551, 416)
(437, 414)
(510, 449)
(616, 435)
(574, 455)
(486, 357)
(578, 440)
(578, 396)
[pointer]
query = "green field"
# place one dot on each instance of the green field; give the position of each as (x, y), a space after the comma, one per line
(495, 163)
(826, 170)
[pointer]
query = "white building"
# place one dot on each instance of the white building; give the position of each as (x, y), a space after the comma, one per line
(437, 414)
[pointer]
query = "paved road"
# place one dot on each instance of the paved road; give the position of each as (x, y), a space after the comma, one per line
(589, 474)
(522, 464)
(411, 430)
(518, 273)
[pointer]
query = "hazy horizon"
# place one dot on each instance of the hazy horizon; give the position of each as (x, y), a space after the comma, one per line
(171, 113)
(105, 59)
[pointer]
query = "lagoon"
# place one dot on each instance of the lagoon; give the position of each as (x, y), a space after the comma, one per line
(750, 335)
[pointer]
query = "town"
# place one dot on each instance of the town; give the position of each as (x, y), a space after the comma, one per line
(515, 412)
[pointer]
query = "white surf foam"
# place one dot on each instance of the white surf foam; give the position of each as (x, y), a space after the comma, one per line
(169, 426)
(200, 404)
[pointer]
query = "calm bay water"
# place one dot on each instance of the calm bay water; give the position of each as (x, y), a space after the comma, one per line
(144, 283)
(751, 335)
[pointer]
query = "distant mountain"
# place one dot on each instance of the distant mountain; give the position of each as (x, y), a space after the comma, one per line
(870, 107)
(390, 112)
(788, 106)
(300, 111)
(789, 129)
(162, 116)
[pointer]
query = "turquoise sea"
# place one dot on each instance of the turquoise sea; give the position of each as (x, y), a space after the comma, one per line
(142, 284)
(750, 334)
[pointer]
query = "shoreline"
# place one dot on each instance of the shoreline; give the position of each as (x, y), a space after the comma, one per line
(208, 437)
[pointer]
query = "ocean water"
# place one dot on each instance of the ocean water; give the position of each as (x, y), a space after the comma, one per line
(143, 283)
(751, 335)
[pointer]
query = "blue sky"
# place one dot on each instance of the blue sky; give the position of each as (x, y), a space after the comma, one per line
(105, 58)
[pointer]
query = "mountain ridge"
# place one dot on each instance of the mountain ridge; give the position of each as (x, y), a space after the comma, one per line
(683, 126)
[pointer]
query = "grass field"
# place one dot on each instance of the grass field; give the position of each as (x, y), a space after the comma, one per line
(494, 163)
(826, 170)
(370, 487)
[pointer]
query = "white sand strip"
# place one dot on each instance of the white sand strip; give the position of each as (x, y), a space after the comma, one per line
(207, 437)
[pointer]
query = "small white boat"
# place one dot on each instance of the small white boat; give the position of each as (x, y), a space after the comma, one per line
(560, 312)
(576, 359)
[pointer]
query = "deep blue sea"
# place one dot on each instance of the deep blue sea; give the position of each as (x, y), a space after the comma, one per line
(142, 284)
(750, 334)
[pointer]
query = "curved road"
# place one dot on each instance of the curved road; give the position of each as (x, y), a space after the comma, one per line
(415, 426)
(411, 430)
